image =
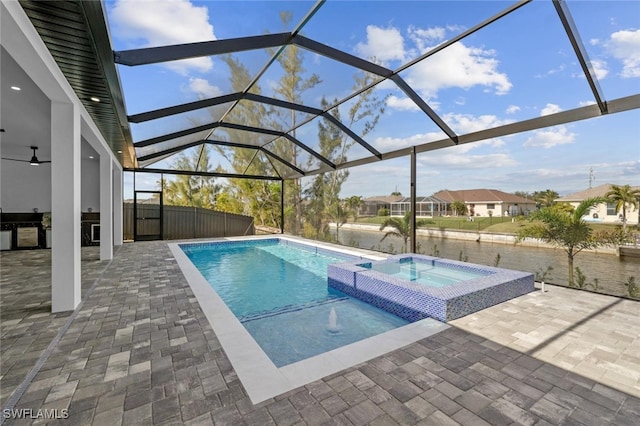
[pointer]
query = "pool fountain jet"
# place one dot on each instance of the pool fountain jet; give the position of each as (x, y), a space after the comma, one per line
(333, 326)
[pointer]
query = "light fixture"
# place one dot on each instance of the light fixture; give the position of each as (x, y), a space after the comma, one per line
(16, 88)
(91, 157)
(95, 99)
(119, 152)
(34, 160)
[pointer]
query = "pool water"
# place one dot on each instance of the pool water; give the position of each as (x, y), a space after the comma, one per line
(427, 273)
(281, 296)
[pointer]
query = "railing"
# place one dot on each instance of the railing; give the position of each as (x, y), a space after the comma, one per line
(191, 222)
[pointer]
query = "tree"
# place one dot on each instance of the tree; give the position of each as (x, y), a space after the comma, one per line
(246, 196)
(568, 230)
(354, 203)
(401, 227)
(624, 197)
(545, 198)
(291, 86)
(459, 208)
(323, 195)
(192, 191)
(339, 214)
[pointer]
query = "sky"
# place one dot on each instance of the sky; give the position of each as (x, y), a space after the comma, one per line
(521, 67)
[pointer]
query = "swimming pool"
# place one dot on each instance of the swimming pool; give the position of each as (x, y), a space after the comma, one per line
(279, 293)
(260, 377)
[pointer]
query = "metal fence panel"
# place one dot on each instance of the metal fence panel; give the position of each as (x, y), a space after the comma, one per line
(192, 222)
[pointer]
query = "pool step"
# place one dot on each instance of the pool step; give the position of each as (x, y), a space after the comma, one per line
(289, 308)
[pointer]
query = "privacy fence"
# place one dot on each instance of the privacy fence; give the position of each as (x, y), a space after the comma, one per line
(190, 222)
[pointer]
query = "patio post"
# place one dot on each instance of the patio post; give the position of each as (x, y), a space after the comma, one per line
(413, 200)
(282, 206)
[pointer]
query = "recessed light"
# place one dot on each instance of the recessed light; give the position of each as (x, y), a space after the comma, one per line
(95, 99)
(16, 88)
(91, 157)
(119, 152)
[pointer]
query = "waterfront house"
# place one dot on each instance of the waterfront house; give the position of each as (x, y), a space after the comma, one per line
(488, 202)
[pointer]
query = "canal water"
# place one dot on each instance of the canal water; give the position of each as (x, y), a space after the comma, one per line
(610, 271)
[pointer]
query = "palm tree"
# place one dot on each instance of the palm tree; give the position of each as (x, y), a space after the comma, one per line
(568, 230)
(459, 208)
(340, 215)
(401, 227)
(354, 203)
(545, 198)
(624, 197)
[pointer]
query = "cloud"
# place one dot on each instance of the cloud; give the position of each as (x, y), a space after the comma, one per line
(625, 46)
(630, 168)
(600, 68)
(462, 123)
(468, 161)
(557, 70)
(387, 144)
(402, 104)
(203, 89)
(586, 103)
(385, 44)
(467, 123)
(423, 38)
(458, 66)
(147, 24)
(550, 109)
(548, 138)
(512, 109)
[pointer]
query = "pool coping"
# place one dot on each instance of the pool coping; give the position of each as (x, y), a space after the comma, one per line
(259, 376)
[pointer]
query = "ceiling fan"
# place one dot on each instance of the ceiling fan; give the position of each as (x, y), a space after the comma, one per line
(34, 159)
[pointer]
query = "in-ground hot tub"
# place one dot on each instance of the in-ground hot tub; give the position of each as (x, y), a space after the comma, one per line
(415, 286)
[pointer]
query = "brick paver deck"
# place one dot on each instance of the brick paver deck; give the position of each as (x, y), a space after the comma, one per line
(140, 351)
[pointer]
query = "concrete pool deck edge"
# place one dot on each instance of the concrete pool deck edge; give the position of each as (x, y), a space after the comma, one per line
(260, 377)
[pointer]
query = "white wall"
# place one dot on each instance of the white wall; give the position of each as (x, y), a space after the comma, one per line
(25, 187)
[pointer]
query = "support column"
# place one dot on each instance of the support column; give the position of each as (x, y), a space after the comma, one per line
(106, 207)
(413, 200)
(282, 206)
(118, 182)
(65, 207)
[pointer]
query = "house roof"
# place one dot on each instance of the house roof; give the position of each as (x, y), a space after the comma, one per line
(596, 191)
(430, 199)
(481, 196)
(383, 199)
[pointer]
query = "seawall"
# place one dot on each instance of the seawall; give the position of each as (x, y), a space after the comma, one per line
(486, 237)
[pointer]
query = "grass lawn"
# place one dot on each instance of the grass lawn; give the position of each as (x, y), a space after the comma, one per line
(459, 222)
(502, 225)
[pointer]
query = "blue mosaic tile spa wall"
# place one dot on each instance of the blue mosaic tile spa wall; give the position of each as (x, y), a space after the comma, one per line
(413, 301)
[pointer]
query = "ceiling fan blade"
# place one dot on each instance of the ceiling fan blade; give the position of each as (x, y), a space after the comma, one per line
(15, 159)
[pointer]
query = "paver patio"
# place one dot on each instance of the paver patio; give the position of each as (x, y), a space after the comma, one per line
(139, 350)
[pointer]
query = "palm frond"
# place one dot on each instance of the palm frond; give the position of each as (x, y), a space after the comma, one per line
(586, 205)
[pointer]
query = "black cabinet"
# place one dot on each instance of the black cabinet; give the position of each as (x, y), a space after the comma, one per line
(26, 230)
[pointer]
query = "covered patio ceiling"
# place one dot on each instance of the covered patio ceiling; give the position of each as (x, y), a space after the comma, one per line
(77, 35)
